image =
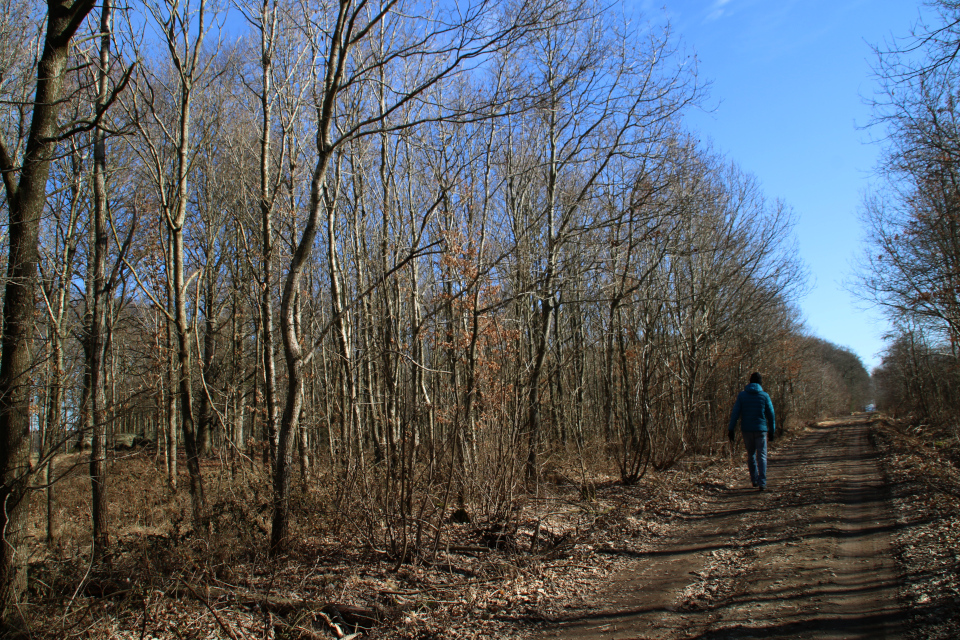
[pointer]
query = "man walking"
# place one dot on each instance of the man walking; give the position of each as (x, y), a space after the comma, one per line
(754, 410)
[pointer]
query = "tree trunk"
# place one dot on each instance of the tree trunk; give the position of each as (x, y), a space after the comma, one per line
(280, 526)
(26, 200)
(96, 331)
(266, 216)
(181, 324)
(171, 433)
(205, 425)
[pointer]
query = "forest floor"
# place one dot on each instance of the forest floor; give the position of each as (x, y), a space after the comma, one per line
(857, 536)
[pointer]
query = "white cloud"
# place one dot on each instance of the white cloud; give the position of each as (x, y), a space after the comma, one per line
(717, 10)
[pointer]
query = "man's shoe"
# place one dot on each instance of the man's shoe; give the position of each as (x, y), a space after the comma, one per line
(754, 483)
(762, 488)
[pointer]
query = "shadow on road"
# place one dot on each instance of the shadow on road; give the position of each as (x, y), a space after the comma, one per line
(810, 558)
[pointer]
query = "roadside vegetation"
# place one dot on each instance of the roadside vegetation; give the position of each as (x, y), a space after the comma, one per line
(909, 267)
(924, 484)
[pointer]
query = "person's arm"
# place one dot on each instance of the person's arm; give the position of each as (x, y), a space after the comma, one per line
(771, 418)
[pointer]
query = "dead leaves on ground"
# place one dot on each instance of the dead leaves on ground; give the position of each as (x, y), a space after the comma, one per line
(924, 487)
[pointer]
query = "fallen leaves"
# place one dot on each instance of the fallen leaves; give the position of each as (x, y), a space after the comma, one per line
(925, 490)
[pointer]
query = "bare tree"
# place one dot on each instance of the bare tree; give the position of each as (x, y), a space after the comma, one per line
(911, 265)
(606, 95)
(56, 279)
(25, 182)
(446, 43)
(99, 296)
(278, 91)
(167, 144)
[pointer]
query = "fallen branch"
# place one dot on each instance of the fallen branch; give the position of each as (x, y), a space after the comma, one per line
(351, 615)
(223, 625)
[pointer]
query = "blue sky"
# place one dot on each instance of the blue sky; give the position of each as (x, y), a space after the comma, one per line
(789, 78)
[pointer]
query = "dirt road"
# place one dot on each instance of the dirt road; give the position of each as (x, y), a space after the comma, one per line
(809, 558)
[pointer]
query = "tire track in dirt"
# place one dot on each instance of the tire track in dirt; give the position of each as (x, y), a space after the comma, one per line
(809, 558)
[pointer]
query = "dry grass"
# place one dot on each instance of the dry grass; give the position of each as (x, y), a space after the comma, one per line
(163, 579)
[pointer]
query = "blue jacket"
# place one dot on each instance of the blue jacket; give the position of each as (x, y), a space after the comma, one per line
(754, 410)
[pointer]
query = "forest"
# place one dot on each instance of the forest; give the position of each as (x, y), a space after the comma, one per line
(910, 263)
(374, 266)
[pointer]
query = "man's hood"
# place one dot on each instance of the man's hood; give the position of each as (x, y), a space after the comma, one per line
(753, 387)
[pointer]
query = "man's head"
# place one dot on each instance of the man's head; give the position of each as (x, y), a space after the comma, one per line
(755, 378)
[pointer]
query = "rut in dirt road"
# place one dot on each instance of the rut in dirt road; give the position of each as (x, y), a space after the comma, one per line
(809, 558)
